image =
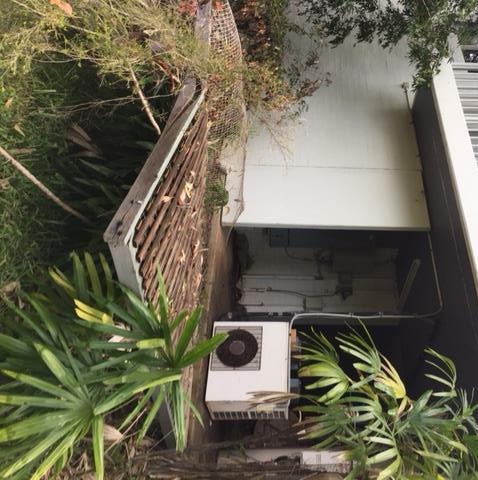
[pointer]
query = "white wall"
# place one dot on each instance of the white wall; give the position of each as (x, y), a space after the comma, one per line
(291, 280)
(350, 160)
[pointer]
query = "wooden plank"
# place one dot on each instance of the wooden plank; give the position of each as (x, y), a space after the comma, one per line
(122, 225)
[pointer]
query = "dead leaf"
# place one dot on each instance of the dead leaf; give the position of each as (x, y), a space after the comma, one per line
(196, 247)
(9, 288)
(186, 193)
(21, 151)
(17, 128)
(182, 258)
(111, 434)
(4, 183)
(8, 103)
(188, 187)
(218, 5)
(166, 199)
(62, 5)
(81, 132)
(188, 7)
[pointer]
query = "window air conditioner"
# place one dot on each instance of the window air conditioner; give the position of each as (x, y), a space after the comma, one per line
(254, 358)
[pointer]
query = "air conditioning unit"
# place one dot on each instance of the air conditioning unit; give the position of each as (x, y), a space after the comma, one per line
(254, 358)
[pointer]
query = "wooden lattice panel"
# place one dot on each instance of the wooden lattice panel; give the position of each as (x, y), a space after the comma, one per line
(168, 237)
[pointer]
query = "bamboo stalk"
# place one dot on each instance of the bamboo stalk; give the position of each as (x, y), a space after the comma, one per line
(43, 188)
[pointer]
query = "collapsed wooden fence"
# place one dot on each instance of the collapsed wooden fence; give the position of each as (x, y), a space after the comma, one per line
(159, 227)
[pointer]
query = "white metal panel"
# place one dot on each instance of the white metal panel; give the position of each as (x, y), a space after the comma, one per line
(335, 198)
(350, 160)
(227, 386)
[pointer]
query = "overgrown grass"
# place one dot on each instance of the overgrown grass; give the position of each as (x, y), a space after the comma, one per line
(29, 223)
(84, 146)
(71, 113)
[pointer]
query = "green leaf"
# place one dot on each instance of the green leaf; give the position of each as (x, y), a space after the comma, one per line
(164, 317)
(36, 451)
(116, 398)
(98, 446)
(201, 350)
(153, 411)
(40, 384)
(80, 280)
(36, 424)
(383, 456)
(122, 358)
(35, 401)
(187, 334)
(141, 310)
(137, 409)
(111, 330)
(93, 275)
(178, 320)
(57, 368)
(15, 347)
(108, 277)
(60, 279)
(47, 318)
(149, 343)
(390, 470)
(57, 453)
(123, 315)
(380, 440)
(176, 408)
(334, 393)
(160, 380)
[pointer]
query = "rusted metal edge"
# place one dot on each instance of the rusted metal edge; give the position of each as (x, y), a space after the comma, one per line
(122, 225)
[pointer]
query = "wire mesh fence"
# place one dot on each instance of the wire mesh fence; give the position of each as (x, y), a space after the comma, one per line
(227, 112)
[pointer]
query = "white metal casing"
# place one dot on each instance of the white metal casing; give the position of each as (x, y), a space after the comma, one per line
(228, 390)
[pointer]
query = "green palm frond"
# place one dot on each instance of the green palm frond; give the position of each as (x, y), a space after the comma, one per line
(387, 434)
(83, 348)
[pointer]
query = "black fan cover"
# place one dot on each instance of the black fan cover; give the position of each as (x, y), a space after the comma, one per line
(239, 348)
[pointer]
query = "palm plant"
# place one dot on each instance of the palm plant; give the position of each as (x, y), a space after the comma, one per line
(85, 348)
(386, 433)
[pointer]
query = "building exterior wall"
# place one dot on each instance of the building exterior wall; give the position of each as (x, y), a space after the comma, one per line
(456, 332)
(350, 160)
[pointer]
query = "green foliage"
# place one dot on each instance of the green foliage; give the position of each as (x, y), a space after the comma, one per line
(62, 70)
(387, 434)
(426, 25)
(216, 194)
(114, 35)
(270, 84)
(85, 348)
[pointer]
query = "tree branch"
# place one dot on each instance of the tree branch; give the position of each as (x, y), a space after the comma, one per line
(144, 101)
(45, 190)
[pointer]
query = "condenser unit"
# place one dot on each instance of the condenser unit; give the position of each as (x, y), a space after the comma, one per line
(254, 358)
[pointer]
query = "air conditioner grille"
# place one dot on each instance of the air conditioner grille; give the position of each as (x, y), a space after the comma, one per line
(254, 364)
(250, 415)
